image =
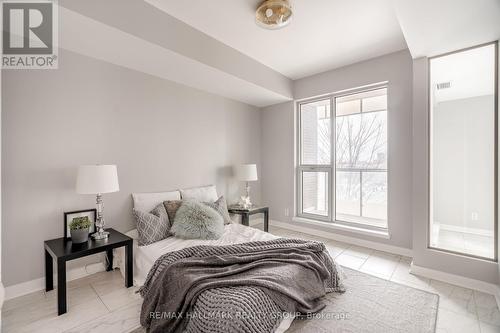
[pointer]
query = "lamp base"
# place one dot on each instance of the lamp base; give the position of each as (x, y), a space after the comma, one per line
(245, 202)
(100, 235)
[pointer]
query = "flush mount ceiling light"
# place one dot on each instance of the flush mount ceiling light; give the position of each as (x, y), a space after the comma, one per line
(273, 14)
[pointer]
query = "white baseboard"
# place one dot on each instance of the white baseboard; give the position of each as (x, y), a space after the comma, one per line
(458, 280)
(39, 284)
(346, 239)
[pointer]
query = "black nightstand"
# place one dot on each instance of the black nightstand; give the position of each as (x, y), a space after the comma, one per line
(245, 214)
(62, 250)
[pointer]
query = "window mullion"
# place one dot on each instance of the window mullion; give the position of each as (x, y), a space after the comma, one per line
(361, 193)
(333, 154)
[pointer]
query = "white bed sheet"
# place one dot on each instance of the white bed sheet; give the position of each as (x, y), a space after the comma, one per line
(145, 256)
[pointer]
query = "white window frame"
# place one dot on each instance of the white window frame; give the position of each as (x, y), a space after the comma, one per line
(331, 168)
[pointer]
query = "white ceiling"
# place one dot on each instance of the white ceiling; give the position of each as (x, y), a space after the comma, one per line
(433, 27)
(323, 34)
(215, 45)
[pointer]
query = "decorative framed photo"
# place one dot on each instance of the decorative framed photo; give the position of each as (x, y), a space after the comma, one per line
(69, 216)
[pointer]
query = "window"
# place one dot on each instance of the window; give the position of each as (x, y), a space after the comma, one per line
(315, 192)
(342, 177)
(315, 158)
(361, 158)
(316, 133)
(463, 205)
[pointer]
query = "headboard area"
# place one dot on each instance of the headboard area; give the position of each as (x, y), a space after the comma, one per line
(147, 201)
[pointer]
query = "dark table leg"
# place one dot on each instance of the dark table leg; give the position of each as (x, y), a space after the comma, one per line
(245, 219)
(266, 220)
(129, 267)
(109, 255)
(49, 272)
(61, 287)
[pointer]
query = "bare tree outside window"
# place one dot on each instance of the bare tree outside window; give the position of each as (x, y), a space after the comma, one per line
(361, 159)
(359, 163)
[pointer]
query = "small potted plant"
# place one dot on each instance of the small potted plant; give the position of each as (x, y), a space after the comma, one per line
(79, 229)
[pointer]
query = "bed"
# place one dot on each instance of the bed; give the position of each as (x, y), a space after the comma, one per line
(145, 256)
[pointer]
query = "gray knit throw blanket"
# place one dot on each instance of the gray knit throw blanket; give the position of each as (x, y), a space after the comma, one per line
(237, 288)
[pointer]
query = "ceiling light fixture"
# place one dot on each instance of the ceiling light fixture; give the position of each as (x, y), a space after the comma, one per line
(273, 14)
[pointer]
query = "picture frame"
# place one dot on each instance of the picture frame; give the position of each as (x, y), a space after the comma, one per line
(69, 216)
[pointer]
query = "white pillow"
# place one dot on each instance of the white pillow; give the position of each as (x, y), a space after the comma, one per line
(203, 193)
(146, 202)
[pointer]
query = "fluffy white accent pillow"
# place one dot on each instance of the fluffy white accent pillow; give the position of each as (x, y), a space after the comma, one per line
(195, 220)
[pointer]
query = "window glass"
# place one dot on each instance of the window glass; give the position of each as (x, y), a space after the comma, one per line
(315, 193)
(315, 133)
(361, 159)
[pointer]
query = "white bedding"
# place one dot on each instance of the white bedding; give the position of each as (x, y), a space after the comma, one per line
(145, 256)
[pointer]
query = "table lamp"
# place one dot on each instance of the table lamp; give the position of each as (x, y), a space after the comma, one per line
(247, 173)
(98, 179)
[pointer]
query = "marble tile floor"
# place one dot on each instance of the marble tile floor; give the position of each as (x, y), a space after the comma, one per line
(100, 302)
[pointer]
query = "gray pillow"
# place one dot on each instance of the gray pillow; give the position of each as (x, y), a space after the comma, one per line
(153, 226)
(195, 220)
(221, 207)
(171, 206)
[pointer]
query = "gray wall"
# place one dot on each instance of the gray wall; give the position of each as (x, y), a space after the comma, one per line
(278, 139)
(463, 163)
(278, 159)
(161, 135)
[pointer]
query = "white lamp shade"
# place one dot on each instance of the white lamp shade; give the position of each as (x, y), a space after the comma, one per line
(97, 179)
(247, 172)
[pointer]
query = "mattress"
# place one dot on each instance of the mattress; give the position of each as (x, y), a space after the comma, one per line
(145, 256)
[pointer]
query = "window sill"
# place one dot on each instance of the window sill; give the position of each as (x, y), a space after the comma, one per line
(336, 226)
